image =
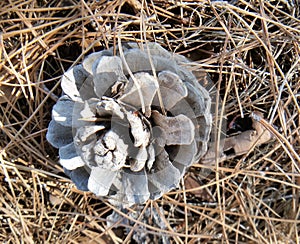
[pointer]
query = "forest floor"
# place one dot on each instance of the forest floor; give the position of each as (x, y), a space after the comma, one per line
(250, 50)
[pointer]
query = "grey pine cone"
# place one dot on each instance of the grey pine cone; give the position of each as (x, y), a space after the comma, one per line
(128, 126)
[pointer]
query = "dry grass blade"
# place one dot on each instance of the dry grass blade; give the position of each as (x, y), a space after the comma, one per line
(251, 51)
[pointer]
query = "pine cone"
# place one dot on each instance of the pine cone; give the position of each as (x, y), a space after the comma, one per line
(128, 126)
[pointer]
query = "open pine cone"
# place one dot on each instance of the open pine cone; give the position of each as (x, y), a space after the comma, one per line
(128, 126)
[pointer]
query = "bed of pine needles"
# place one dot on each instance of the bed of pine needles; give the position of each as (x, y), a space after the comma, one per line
(251, 52)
